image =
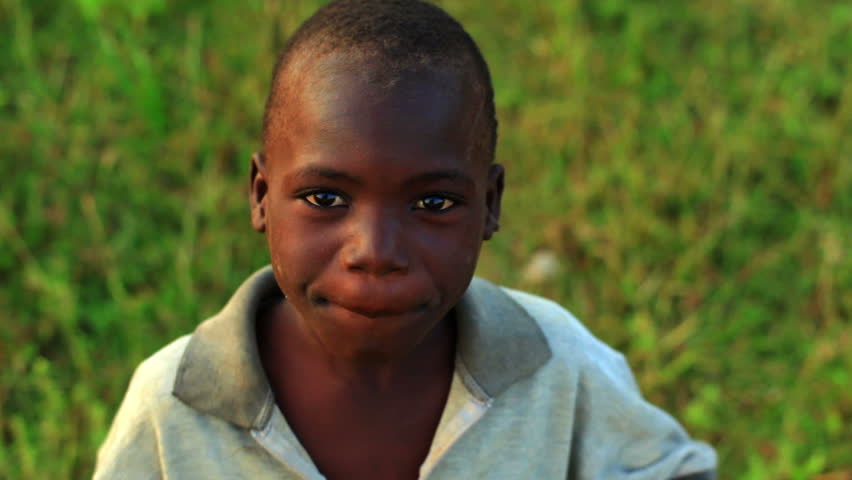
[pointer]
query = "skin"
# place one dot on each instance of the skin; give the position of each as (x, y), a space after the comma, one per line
(374, 204)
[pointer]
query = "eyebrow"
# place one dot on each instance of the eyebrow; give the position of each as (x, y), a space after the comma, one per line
(328, 174)
(451, 174)
(438, 175)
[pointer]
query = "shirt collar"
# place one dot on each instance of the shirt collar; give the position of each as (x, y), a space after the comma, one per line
(220, 372)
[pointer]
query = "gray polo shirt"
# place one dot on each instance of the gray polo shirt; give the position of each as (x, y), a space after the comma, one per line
(534, 395)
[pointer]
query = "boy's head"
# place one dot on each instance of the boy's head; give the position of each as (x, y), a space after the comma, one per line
(396, 37)
(375, 187)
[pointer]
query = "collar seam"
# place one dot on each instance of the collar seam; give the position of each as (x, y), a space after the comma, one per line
(265, 414)
(469, 381)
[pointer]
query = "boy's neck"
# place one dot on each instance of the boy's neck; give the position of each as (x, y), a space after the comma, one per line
(356, 417)
(288, 348)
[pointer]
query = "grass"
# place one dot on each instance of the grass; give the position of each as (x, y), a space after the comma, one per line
(687, 162)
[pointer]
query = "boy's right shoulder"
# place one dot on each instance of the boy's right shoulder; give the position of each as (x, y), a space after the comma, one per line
(130, 449)
(153, 380)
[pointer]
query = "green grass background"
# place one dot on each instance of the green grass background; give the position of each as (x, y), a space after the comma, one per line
(688, 162)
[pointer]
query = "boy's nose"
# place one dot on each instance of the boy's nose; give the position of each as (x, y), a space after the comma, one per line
(375, 246)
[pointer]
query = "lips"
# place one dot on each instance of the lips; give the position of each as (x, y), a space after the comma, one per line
(372, 300)
(372, 309)
(372, 312)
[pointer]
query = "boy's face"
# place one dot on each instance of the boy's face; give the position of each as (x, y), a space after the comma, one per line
(374, 204)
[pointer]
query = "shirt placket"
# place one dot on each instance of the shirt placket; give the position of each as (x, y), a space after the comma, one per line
(466, 404)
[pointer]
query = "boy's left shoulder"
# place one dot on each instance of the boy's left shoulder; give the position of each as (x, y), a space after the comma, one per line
(569, 340)
(599, 374)
(527, 334)
(606, 404)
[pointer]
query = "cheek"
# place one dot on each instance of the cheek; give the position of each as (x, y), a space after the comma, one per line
(452, 252)
(298, 248)
(471, 253)
(472, 244)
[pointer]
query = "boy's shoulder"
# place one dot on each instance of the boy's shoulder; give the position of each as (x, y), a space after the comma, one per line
(598, 391)
(560, 326)
(580, 389)
(128, 450)
(153, 380)
(507, 335)
(571, 343)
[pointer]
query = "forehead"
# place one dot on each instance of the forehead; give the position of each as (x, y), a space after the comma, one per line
(341, 103)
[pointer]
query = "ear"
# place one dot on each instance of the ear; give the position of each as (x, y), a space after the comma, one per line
(257, 195)
(493, 197)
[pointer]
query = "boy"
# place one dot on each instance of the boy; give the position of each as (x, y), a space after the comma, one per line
(366, 350)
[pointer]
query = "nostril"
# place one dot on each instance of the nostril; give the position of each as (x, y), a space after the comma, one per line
(376, 247)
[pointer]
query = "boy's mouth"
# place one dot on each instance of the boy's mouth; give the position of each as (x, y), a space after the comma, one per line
(371, 310)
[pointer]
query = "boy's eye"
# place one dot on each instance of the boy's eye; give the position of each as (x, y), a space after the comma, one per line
(434, 203)
(324, 199)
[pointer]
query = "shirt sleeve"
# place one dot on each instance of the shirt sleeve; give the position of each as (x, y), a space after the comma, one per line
(130, 450)
(619, 435)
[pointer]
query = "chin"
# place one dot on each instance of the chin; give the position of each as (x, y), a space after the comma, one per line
(376, 338)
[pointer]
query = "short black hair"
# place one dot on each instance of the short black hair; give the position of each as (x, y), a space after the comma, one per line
(402, 35)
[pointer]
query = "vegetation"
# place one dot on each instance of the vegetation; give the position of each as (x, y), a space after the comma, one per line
(687, 163)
